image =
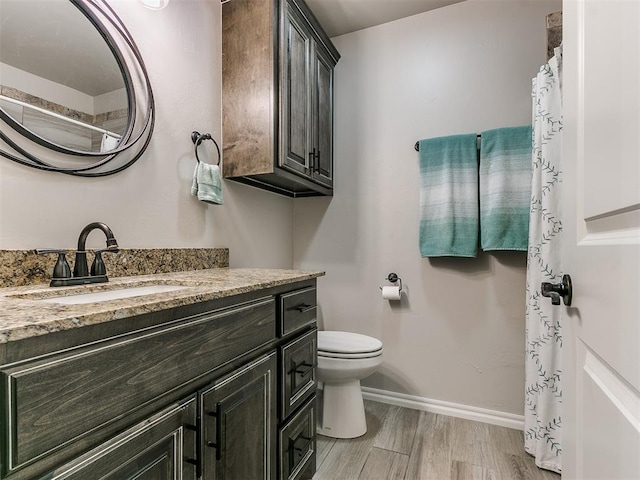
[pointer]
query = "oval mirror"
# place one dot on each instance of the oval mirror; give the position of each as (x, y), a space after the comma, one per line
(73, 88)
(59, 79)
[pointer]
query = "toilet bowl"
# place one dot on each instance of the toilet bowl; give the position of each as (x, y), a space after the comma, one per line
(344, 358)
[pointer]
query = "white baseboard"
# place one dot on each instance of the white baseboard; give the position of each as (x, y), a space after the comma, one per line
(467, 412)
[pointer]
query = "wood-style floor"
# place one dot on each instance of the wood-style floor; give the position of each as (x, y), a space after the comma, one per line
(404, 444)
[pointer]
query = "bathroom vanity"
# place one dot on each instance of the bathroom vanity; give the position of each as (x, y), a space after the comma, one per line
(214, 379)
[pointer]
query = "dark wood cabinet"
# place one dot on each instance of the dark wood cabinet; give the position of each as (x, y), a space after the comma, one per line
(62, 398)
(296, 78)
(277, 95)
(238, 415)
(297, 354)
(194, 392)
(322, 130)
(306, 73)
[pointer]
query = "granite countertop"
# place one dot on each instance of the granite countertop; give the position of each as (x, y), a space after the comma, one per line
(22, 315)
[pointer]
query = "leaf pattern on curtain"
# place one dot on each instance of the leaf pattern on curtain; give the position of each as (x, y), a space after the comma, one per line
(543, 367)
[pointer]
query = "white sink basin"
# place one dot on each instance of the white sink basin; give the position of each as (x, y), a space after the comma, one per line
(116, 294)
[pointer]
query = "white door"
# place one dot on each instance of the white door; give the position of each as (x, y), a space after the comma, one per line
(601, 251)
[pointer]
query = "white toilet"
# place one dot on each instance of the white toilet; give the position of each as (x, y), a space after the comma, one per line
(344, 359)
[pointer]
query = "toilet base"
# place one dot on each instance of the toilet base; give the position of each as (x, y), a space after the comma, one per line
(342, 413)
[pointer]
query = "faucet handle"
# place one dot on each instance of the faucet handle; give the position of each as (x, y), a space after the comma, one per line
(98, 267)
(61, 268)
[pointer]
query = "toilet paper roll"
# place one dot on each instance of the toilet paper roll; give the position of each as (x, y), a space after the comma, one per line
(391, 293)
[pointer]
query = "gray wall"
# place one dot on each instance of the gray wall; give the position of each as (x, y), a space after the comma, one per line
(149, 205)
(458, 335)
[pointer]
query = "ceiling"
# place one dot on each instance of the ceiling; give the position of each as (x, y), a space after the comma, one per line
(338, 17)
(28, 35)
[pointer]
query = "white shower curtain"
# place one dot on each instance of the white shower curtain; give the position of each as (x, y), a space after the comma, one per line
(543, 371)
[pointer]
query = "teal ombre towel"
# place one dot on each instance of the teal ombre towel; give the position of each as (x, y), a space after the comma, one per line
(449, 196)
(505, 188)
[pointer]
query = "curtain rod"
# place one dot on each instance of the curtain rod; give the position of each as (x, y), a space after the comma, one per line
(417, 144)
(61, 117)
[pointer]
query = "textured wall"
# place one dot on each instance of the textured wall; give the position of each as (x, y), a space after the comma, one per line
(149, 205)
(458, 335)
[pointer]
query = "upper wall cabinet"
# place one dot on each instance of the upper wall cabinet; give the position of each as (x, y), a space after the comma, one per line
(277, 96)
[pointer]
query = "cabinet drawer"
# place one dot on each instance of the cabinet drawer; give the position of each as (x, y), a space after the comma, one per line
(298, 444)
(51, 403)
(297, 309)
(298, 371)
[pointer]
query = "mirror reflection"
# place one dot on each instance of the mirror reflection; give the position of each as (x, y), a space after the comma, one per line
(58, 77)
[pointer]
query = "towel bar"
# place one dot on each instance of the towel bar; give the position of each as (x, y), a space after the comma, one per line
(417, 144)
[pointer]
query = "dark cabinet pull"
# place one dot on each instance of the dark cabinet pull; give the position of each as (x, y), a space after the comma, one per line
(303, 307)
(192, 461)
(217, 414)
(312, 160)
(195, 461)
(304, 447)
(303, 369)
(293, 448)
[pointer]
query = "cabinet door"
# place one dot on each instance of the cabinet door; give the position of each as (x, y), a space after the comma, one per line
(238, 415)
(295, 96)
(322, 115)
(162, 447)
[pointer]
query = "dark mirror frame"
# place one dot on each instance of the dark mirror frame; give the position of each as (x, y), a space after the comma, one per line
(140, 121)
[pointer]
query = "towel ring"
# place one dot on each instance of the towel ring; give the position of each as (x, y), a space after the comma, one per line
(197, 138)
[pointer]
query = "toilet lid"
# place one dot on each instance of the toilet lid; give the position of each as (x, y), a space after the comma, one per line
(347, 343)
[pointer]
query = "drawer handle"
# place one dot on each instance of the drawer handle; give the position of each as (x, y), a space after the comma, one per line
(217, 413)
(303, 448)
(303, 369)
(195, 463)
(293, 449)
(303, 307)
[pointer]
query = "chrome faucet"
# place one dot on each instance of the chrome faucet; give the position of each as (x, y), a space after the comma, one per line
(80, 268)
(62, 273)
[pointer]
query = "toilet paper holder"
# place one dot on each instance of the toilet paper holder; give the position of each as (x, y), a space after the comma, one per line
(393, 278)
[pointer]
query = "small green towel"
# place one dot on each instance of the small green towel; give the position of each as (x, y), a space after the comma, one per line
(505, 188)
(207, 183)
(449, 196)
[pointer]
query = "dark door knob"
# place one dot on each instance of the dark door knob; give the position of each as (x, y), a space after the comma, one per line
(555, 291)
